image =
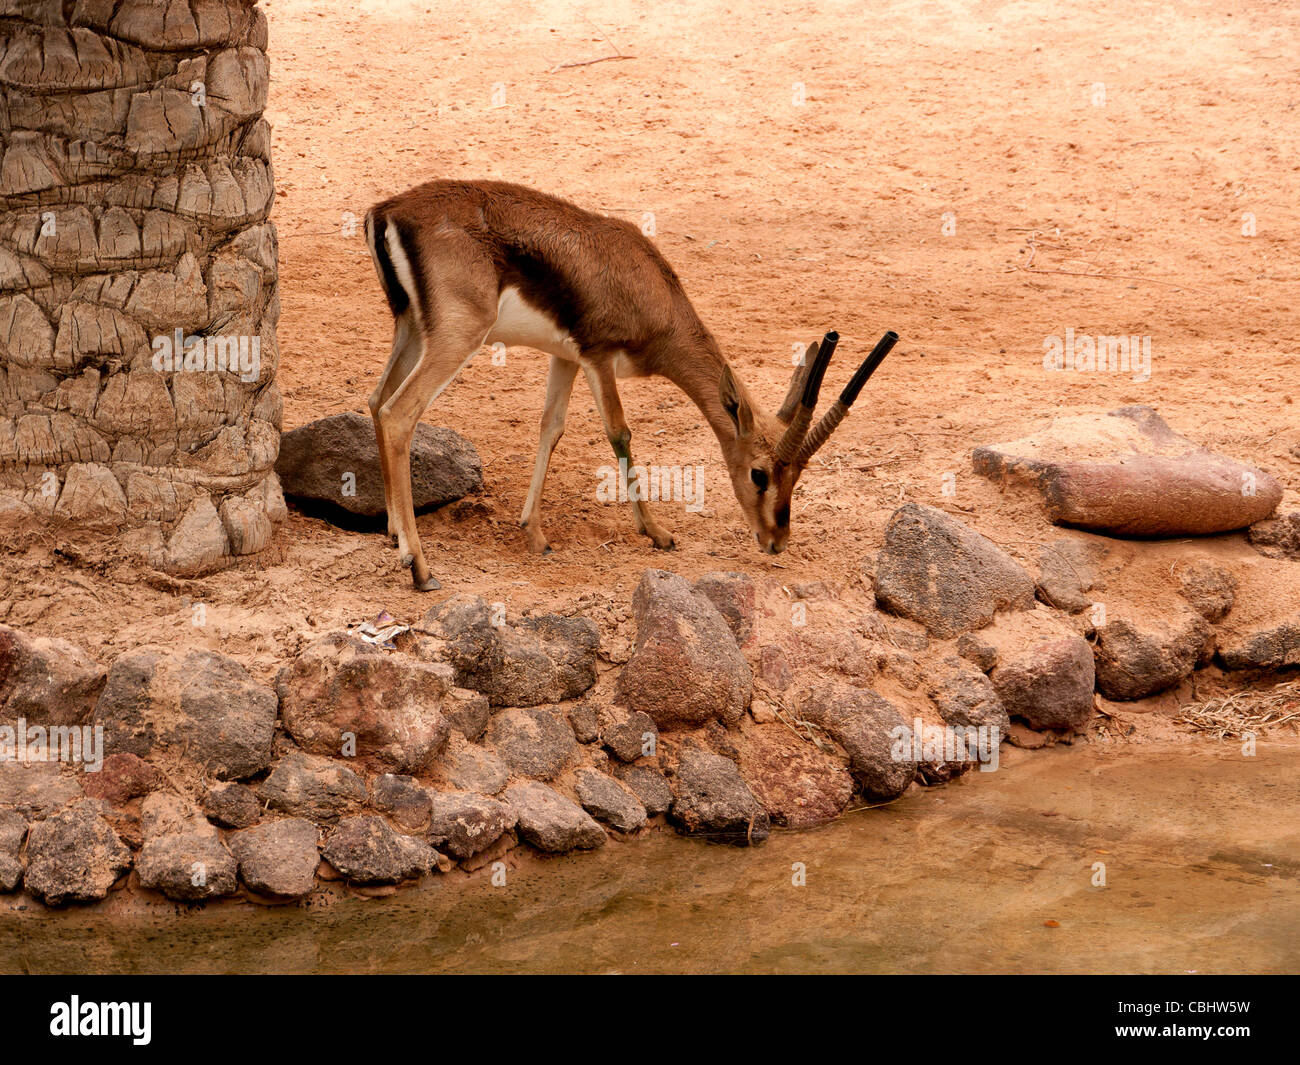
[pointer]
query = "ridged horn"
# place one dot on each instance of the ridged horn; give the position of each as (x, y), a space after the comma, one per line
(839, 410)
(797, 429)
(797, 381)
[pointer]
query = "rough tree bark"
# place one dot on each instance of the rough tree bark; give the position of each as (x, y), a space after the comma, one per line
(135, 189)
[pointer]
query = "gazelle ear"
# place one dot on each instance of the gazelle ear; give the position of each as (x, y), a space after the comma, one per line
(734, 404)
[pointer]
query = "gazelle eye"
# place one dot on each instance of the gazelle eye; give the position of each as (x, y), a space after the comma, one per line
(759, 477)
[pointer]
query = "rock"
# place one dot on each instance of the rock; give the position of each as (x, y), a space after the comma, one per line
(551, 822)
(762, 711)
(403, 799)
(203, 704)
(532, 742)
(279, 858)
(232, 805)
(1068, 570)
(46, 681)
(733, 595)
(685, 668)
(872, 733)
(342, 690)
(628, 736)
(74, 856)
(966, 697)
(1049, 684)
(936, 571)
(1209, 589)
(774, 666)
(930, 774)
(1127, 473)
(367, 851)
(335, 461)
(711, 799)
(121, 778)
(1272, 647)
(1136, 657)
(585, 723)
(13, 830)
(977, 650)
(609, 801)
(798, 785)
(462, 823)
(36, 789)
(303, 785)
(183, 856)
(544, 659)
(1277, 537)
(649, 786)
(467, 712)
(465, 766)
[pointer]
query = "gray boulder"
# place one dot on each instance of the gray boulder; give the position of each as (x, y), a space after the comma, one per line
(232, 805)
(609, 801)
(304, 785)
(1277, 537)
(46, 680)
(550, 822)
(74, 856)
(1268, 646)
(1048, 684)
(649, 786)
(733, 595)
(335, 461)
(183, 856)
(685, 668)
(278, 858)
(201, 704)
(366, 850)
(36, 789)
(341, 688)
(934, 570)
(543, 659)
(462, 824)
(710, 799)
(966, 697)
(872, 733)
(627, 736)
(13, 830)
(466, 766)
(532, 742)
(1139, 656)
(403, 799)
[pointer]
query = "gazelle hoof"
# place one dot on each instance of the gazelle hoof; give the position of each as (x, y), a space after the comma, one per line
(408, 561)
(430, 584)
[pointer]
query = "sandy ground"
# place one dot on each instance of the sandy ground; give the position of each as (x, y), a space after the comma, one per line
(976, 176)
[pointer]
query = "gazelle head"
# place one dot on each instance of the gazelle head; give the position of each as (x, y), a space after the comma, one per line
(770, 452)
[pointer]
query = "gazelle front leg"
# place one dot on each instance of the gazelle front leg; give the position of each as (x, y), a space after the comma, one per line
(601, 380)
(559, 384)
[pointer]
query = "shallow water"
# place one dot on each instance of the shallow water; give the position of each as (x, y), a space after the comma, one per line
(1202, 865)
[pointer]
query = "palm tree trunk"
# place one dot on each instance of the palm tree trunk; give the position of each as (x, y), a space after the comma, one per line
(138, 275)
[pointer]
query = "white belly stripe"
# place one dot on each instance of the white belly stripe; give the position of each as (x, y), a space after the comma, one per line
(520, 323)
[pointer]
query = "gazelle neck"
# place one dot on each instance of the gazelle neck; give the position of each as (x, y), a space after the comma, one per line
(700, 377)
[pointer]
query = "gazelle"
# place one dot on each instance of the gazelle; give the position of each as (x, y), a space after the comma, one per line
(464, 263)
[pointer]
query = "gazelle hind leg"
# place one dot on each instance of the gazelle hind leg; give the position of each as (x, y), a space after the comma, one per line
(559, 385)
(405, 356)
(601, 380)
(445, 352)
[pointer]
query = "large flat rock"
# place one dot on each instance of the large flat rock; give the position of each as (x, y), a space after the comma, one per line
(1127, 473)
(335, 461)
